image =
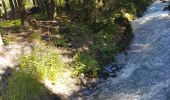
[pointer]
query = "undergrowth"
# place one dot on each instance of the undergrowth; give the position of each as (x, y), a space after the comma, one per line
(26, 82)
(43, 63)
(22, 86)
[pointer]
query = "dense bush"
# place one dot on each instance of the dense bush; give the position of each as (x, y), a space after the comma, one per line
(78, 35)
(104, 46)
(85, 64)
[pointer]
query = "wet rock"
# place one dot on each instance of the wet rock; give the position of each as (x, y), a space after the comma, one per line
(167, 8)
(89, 91)
(111, 68)
(109, 71)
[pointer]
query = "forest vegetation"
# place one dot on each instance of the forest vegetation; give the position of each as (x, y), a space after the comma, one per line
(76, 36)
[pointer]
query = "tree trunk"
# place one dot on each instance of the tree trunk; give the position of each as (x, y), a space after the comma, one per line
(47, 8)
(22, 12)
(52, 9)
(4, 7)
(16, 4)
(34, 2)
(12, 8)
(1, 44)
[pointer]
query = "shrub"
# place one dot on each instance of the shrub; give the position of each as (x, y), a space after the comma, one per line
(23, 87)
(10, 23)
(85, 64)
(79, 33)
(36, 36)
(43, 63)
(39, 17)
(104, 46)
(13, 24)
(104, 53)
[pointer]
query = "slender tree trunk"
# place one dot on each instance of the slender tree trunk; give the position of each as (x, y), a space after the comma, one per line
(4, 7)
(22, 12)
(67, 5)
(40, 3)
(16, 4)
(34, 2)
(1, 43)
(47, 8)
(52, 9)
(12, 8)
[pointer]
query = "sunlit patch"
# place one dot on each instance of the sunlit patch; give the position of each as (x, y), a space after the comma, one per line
(64, 85)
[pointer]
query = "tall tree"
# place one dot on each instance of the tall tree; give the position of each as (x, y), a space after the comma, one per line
(22, 11)
(16, 4)
(4, 7)
(47, 8)
(12, 8)
(52, 9)
(34, 2)
(1, 43)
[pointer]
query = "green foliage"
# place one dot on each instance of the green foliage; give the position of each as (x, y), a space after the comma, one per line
(43, 63)
(105, 53)
(14, 25)
(78, 33)
(78, 29)
(40, 17)
(85, 64)
(104, 47)
(10, 23)
(36, 36)
(61, 42)
(133, 6)
(23, 87)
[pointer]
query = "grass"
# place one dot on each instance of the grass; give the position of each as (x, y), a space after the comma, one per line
(22, 86)
(43, 63)
(13, 25)
(26, 83)
(10, 23)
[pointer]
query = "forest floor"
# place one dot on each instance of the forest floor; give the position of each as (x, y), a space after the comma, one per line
(22, 42)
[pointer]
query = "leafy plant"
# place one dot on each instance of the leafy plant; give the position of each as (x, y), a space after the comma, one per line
(43, 63)
(36, 36)
(85, 64)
